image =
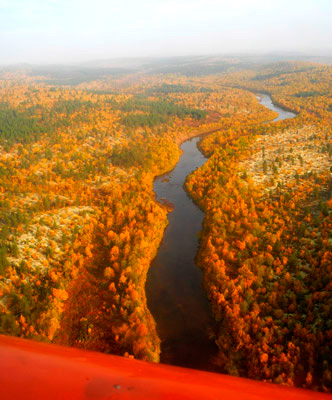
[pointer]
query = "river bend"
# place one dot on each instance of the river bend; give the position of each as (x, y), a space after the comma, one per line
(174, 288)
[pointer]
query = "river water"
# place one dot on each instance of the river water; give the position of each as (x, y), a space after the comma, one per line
(266, 101)
(174, 291)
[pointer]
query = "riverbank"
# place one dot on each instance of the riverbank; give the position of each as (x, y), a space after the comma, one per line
(256, 251)
(174, 286)
(174, 289)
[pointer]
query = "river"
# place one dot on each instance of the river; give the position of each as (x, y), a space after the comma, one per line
(174, 291)
(266, 101)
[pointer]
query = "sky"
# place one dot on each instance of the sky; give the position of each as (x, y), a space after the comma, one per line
(71, 31)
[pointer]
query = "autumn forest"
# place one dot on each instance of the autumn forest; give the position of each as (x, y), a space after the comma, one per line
(81, 225)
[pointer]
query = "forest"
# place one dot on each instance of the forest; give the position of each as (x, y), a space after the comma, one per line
(80, 224)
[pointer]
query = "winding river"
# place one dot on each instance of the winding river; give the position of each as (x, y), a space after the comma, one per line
(175, 295)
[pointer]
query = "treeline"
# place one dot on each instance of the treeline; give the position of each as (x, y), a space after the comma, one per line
(143, 120)
(69, 107)
(64, 113)
(17, 126)
(133, 154)
(281, 70)
(156, 112)
(145, 154)
(26, 126)
(310, 93)
(166, 88)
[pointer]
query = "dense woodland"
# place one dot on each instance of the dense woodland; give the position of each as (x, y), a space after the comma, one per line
(80, 224)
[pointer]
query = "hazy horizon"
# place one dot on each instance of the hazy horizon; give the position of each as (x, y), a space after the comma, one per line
(72, 31)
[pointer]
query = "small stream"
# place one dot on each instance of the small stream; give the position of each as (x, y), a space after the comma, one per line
(174, 291)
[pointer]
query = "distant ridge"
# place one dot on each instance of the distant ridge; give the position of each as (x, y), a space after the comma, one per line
(195, 65)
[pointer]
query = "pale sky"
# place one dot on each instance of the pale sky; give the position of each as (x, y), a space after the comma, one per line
(51, 31)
